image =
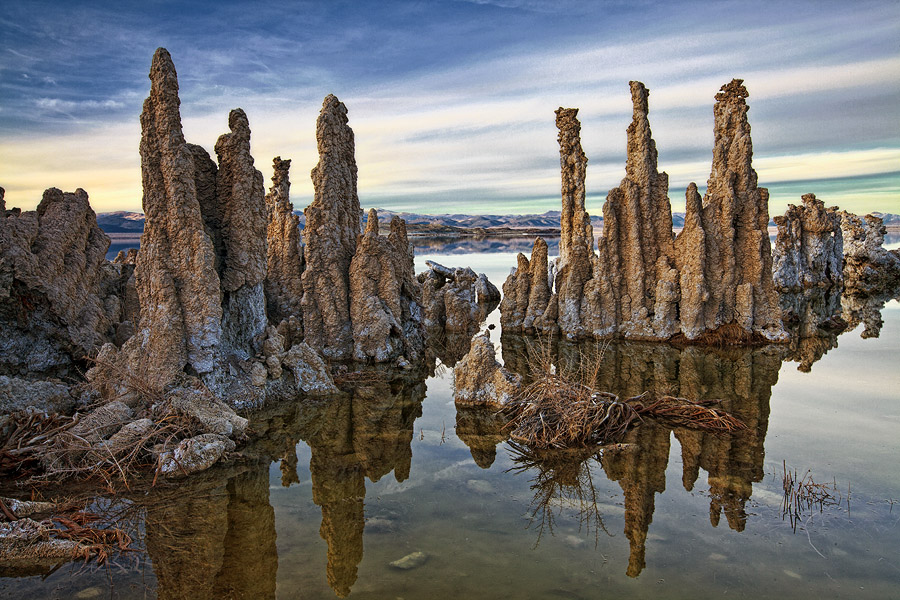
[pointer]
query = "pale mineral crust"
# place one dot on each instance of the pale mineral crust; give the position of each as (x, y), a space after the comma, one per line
(57, 298)
(284, 287)
(868, 268)
(332, 226)
(736, 278)
(240, 197)
(809, 249)
(385, 297)
(176, 278)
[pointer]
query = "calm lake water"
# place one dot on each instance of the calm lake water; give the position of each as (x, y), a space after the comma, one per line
(343, 488)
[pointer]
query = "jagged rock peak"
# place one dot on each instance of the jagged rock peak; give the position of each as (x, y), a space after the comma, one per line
(284, 288)
(868, 268)
(241, 198)
(176, 277)
(575, 224)
(332, 226)
(385, 297)
(809, 249)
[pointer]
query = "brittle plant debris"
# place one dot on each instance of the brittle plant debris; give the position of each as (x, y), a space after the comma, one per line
(566, 410)
(802, 494)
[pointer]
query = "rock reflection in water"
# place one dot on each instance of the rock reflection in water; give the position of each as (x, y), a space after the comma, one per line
(365, 432)
(814, 318)
(741, 377)
(214, 536)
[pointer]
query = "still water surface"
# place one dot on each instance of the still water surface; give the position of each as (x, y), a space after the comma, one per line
(344, 488)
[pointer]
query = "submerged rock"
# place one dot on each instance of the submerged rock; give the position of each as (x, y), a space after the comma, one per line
(410, 561)
(809, 249)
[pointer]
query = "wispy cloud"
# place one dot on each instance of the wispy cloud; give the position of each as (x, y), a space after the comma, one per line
(453, 108)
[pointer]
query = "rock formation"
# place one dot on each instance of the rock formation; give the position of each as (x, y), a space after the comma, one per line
(176, 274)
(868, 267)
(58, 300)
(200, 273)
(385, 297)
(240, 199)
(528, 302)
(332, 226)
(730, 272)
(642, 283)
(479, 380)
(284, 288)
(809, 249)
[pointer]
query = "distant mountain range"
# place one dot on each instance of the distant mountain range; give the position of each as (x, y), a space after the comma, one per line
(123, 222)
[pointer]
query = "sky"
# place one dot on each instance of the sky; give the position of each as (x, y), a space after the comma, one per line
(452, 101)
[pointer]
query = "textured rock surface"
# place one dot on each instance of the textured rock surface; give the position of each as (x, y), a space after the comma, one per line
(528, 303)
(868, 267)
(576, 233)
(643, 283)
(456, 300)
(731, 274)
(385, 297)
(194, 454)
(332, 226)
(240, 197)
(310, 373)
(45, 396)
(636, 249)
(56, 303)
(809, 249)
(284, 287)
(176, 277)
(479, 380)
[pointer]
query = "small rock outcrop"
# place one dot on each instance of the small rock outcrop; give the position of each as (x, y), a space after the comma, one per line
(868, 267)
(284, 287)
(713, 279)
(332, 226)
(385, 297)
(479, 380)
(456, 300)
(809, 249)
(57, 296)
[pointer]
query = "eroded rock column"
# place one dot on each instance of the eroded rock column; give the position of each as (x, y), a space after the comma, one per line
(809, 249)
(332, 226)
(175, 275)
(284, 286)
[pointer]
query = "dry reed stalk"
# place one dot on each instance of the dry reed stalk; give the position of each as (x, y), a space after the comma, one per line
(802, 494)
